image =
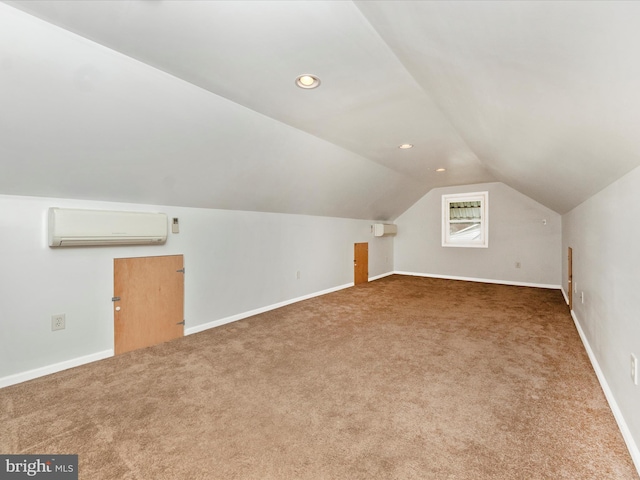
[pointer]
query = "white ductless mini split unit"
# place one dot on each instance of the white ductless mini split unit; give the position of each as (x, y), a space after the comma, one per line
(384, 230)
(73, 228)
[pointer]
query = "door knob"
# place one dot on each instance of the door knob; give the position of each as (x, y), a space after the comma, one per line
(117, 309)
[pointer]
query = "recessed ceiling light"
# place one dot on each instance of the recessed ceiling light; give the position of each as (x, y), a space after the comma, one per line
(307, 81)
(440, 169)
(404, 146)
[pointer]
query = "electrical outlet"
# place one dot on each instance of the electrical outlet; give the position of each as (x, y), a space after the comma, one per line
(298, 275)
(575, 287)
(634, 369)
(58, 322)
(581, 297)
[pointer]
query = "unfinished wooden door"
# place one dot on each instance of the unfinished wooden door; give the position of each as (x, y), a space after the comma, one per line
(570, 277)
(360, 263)
(148, 304)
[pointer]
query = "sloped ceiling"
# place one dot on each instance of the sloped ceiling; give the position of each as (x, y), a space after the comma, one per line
(193, 103)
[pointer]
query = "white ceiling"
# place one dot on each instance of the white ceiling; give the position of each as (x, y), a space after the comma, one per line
(193, 103)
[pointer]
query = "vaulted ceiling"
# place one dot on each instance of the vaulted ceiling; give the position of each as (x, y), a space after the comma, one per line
(193, 103)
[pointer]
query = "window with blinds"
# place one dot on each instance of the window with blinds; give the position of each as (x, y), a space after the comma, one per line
(465, 220)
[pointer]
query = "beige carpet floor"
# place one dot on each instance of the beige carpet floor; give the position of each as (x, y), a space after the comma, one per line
(401, 378)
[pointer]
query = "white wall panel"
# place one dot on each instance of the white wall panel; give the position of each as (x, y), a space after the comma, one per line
(236, 262)
(603, 233)
(517, 234)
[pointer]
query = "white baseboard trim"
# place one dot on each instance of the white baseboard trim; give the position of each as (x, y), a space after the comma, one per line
(564, 294)
(54, 368)
(377, 277)
(75, 362)
(634, 451)
(481, 280)
(234, 318)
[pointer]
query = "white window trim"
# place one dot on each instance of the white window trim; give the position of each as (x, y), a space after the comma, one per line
(483, 197)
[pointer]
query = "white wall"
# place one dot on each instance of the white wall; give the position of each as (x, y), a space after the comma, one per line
(516, 234)
(235, 262)
(603, 233)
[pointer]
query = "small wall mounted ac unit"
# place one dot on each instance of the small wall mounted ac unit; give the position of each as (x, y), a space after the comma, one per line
(384, 230)
(74, 227)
